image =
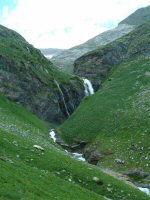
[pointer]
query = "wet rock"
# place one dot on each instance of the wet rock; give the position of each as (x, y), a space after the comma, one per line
(119, 161)
(81, 143)
(5, 159)
(137, 173)
(93, 156)
(143, 185)
(24, 80)
(78, 145)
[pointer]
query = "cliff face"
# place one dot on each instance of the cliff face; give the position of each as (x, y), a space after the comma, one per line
(97, 64)
(65, 59)
(28, 78)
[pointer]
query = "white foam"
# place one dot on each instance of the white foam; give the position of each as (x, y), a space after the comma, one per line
(52, 135)
(78, 156)
(145, 190)
(88, 87)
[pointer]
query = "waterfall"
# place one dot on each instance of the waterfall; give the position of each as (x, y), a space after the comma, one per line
(88, 87)
(66, 109)
(52, 135)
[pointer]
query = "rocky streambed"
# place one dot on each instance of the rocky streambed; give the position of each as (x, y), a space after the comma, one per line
(74, 149)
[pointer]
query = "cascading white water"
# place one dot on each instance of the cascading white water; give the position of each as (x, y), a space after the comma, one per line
(62, 97)
(145, 190)
(52, 135)
(88, 87)
(77, 156)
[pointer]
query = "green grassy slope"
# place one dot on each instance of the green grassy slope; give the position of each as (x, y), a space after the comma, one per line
(28, 78)
(15, 49)
(28, 173)
(117, 118)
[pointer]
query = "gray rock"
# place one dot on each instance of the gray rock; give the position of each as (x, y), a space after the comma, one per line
(5, 159)
(38, 147)
(65, 59)
(137, 173)
(23, 81)
(119, 161)
(96, 65)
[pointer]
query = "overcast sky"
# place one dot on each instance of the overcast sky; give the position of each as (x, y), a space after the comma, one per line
(64, 23)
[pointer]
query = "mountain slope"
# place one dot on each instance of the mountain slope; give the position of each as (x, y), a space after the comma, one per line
(65, 59)
(115, 121)
(139, 17)
(29, 79)
(96, 64)
(30, 173)
(50, 52)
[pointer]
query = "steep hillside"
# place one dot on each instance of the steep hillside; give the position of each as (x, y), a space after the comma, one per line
(115, 122)
(65, 59)
(138, 17)
(28, 78)
(96, 65)
(50, 52)
(47, 172)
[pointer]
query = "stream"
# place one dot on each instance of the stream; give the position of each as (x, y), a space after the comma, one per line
(88, 90)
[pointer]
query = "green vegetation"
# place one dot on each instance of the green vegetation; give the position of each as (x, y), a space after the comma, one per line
(29, 173)
(117, 117)
(16, 50)
(133, 44)
(139, 17)
(115, 120)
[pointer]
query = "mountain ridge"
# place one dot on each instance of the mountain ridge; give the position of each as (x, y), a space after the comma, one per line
(65, 60)
(28, 78)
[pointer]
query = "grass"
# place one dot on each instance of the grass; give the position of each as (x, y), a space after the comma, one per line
(15, 50)
(48, 174)
(117, 118)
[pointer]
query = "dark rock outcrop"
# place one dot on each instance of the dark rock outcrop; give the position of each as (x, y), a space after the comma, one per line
(28, 78)
(96, 65)
(65, 59)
